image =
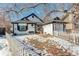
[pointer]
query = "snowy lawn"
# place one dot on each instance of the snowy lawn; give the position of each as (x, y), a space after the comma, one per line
(43, 44)
(74, 49)
(4, 51)
(67, 45)
(29, 49)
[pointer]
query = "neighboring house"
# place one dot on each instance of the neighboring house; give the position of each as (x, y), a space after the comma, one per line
(54, 27)
(66, 24)
(27, 25)
(69, 17)
(72, 19)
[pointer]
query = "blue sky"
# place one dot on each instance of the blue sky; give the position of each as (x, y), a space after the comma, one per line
(40, 10)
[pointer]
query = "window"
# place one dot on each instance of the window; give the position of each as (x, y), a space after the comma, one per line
(58, 27)
(22, 27)
(32, 16)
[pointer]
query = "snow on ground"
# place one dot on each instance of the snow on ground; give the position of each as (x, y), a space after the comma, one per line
(21, 37)
(29, 49)
(67, 45)
(25, 48)
(2, 39)
(4, 51)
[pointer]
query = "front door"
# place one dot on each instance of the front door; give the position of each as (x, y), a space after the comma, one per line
(57, 29)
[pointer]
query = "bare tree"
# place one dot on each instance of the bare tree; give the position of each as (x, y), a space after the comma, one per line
(75, 10)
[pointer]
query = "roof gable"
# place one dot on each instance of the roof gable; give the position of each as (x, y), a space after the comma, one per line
(32, 17)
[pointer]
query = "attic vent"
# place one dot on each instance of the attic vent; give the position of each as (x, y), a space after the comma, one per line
(32, 16)
(56, 18)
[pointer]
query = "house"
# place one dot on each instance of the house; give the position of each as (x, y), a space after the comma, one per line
(73, 20)
(69, 18)
(54, 27)
(27, 25)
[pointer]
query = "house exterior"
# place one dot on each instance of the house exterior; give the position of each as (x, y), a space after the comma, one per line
(72, 19)
(69, 19)
(55, 27)
(27, 25)
(72, 23)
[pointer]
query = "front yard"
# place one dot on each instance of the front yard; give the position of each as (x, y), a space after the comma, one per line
(39, 45)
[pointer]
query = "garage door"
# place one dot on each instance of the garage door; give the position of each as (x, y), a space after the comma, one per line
(2, 31)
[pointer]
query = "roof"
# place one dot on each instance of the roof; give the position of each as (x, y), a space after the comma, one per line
(55, 21)
(33, 15)
(27, 20)
(23, 21)
(58, 20)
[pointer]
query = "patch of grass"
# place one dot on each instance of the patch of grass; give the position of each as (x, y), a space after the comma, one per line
(51, 49)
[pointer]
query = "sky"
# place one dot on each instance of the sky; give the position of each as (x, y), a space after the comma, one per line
(40, 10)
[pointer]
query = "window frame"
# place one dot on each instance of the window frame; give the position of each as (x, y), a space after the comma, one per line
(19, 27)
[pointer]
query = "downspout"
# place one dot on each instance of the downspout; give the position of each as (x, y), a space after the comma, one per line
(13, 29)
(35, 28)
(53, 28)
